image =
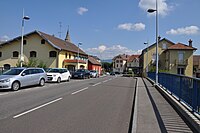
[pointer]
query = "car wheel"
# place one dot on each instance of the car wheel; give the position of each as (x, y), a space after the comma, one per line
(42, 82)
(59, 80)
(68, 79)
(15, 86)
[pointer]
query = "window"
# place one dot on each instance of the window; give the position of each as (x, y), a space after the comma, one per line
(65, 55)
(33, 54)
(52, 54)
(121, 61)
(164, 46)
(15, 54)
(69, 56)
(42, 41)
(117, 61)
(0, 54)
(181, 71)
(121, 65)
(24, 42)
(180, 56)
(117, 65)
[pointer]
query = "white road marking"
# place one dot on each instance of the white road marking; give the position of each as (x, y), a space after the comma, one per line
(3, 94)
(105, 81)
(79, 90)
(31, 110)
(96, 84)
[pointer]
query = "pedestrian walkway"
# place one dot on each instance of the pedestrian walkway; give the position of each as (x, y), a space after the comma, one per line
(153, 114)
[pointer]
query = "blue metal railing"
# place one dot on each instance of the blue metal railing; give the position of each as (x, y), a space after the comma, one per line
(186, 89)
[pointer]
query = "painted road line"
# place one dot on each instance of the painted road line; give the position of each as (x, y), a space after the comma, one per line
(31, 110)
(96, 84)
(79, 90)
(105, 81)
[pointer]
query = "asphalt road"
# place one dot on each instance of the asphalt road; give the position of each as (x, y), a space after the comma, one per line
(101, 105)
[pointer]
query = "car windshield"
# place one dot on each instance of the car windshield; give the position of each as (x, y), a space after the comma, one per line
(54, 71)
(13, 72)
(80, 70)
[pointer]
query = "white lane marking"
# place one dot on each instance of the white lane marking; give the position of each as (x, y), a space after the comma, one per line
(105, 81)
(96, 84)
(31, 110)
(79, 90)
(3, 94)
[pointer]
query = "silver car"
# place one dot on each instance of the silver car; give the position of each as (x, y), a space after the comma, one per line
(20, 77)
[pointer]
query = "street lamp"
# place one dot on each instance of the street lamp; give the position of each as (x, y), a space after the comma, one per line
(147, 68)
(22, 39)
(78, 54)
(151, 11)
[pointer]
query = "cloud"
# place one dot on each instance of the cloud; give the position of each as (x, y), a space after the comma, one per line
(4, 38)
(132, 27)
(190, 30)
(104, 52)
(163, 7)
(82, 10)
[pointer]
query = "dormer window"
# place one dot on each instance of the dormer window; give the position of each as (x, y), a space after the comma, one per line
(42, 41)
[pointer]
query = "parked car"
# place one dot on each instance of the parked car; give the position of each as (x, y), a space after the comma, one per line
(58, 75)
(81, 73)
(112, 73)
(15, 78)
(94, 74)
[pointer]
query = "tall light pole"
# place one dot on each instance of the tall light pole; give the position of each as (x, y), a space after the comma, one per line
(78, 54)
(147, 68)
(151, 11)
(22, 39)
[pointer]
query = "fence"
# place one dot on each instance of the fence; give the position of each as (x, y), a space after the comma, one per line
(186, 89)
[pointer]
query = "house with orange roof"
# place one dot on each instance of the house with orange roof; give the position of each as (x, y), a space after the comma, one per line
(173, 58)
(133, 64)
(45, 48)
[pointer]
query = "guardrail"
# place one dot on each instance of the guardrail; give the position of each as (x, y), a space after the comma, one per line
(186, 89)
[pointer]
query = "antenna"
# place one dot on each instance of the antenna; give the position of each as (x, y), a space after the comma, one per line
(60, 32)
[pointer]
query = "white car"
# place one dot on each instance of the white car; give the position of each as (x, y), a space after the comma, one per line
(58, 75)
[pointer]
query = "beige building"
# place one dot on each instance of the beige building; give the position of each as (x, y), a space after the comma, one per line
(173, 58)
(46, 49)
(120, 63)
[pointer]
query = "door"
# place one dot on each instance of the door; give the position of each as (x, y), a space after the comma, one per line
(26, 78)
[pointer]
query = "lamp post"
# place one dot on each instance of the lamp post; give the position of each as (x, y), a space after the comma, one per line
(151, 11)
(22, 39)
(147, 68)
(78, 54)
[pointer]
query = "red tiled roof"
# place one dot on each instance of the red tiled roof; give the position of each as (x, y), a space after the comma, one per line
(132, 57)
(74, 61)
(93, 61)
(65, 45)
(123, 57)
(180, 46)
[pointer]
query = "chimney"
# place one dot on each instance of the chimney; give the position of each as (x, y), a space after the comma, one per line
(159, 38)
(190, 43)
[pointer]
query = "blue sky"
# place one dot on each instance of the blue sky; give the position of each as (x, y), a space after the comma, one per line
(105, 27)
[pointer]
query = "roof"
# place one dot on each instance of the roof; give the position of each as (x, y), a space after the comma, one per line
(123, 57)
(196, 60)
(53, 41)
(164, 39)
(180, 46)
(93, 61)
(132, 57)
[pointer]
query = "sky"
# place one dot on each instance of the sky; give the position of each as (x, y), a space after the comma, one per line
(105, 28)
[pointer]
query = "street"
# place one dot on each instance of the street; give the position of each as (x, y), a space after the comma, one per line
(99, 105)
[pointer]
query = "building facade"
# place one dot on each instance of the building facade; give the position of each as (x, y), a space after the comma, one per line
(120, 63)
(94, 64)
(173, 58)
(46, 49)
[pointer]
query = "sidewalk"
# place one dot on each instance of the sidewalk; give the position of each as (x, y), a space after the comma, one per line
(153, 114)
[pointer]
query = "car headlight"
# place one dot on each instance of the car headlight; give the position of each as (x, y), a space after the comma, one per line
(5, 80)
(54, 75)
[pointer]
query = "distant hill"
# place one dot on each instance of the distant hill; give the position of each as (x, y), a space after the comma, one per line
(107, 60)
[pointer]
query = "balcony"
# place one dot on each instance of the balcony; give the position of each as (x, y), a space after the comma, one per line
(181, 62)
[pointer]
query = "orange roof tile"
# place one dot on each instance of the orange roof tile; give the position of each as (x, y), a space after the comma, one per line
(180, 46)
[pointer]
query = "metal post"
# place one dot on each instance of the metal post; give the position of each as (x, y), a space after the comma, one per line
(22, 39)
(78, 54)
(156, 42)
